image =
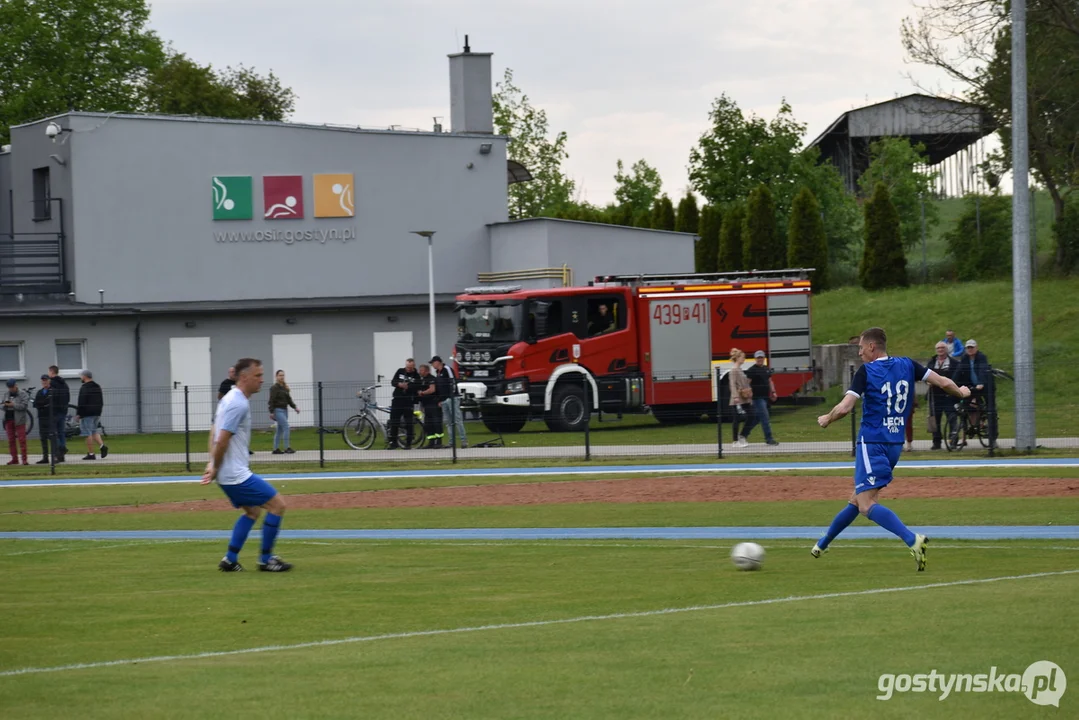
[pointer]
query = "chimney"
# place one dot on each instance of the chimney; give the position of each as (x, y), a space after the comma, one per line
(470, 92)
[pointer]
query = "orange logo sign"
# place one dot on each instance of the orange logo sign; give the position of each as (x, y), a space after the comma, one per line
(334, 195)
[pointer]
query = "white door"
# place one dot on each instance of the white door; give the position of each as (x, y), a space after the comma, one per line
(189, 358)
(293, 354)
(391, 351)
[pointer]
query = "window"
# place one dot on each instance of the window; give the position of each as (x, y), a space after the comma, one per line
(71, 357)
(605, 314)
(42, 194)
(11, 361)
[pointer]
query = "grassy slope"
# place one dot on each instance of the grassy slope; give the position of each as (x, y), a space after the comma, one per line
(916, 318)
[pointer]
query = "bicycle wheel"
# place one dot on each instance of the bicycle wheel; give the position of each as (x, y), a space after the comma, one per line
(951, 433)
(419, 437)
(983, 429)
(359, 432)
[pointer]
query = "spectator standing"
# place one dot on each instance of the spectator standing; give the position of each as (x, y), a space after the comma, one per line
(15, 404)
(764, 393)
(280, 402)
(450, 400)
(427, 393)
(226, 384)
(945, 365)
(741, 399)
(59, 399)
(405, 383)
(954, 344)
(88, 414)
(43, 405)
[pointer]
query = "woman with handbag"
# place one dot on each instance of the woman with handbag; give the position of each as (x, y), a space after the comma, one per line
(741, 399)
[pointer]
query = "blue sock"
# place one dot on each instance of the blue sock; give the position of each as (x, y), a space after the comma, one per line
(844, 518)
(239, 536)
(890, 521)
(270, 526)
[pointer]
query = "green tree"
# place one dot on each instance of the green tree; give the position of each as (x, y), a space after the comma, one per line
(894, 162)
(807, 245)
(971, 41)
(639, 188)
(707, 248)
(738, 153)
(1066, 234)
(643, 218)
(884, 264)
(64, 55)
(183, 87)
(531, 146)
(663, 214)
(730, 239)
(981, 247)
(688, 217)
(762, 247)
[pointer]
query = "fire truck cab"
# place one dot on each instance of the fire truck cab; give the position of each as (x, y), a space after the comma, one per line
(626, 344)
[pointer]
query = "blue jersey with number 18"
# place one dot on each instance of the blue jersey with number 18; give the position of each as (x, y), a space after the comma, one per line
(886, 387)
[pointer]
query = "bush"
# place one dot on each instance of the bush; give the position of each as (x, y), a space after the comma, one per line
(985, 253)
(762, 248)
(807, 243)
(1066, 233)
(884, 264)
(730, 239)
(708, 243)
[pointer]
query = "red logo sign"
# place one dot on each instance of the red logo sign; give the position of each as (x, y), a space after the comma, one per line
(283, 197)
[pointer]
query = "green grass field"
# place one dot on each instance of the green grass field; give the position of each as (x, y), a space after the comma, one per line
(523, 629)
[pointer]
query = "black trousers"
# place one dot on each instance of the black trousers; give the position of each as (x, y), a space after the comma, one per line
(400, 409)
(747, 419)
(432, 422)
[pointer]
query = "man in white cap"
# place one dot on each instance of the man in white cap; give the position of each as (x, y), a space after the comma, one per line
(764, 392)
(974, 373)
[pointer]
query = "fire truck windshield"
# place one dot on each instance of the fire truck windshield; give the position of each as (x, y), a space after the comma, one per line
(489, 323)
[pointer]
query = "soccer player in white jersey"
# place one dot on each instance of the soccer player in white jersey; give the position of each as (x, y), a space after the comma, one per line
(886, 386)
(230, 438)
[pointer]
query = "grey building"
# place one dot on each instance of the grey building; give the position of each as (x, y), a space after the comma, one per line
(158, 250)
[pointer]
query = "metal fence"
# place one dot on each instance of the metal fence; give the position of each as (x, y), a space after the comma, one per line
(349, 421)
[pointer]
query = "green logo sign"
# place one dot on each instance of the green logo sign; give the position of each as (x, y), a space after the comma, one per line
(232, 197)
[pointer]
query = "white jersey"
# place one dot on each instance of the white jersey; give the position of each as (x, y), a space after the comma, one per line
(234, 415)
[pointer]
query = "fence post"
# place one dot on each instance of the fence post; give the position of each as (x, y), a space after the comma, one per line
(321, 435)
(587, 419)
(50, 432)
(448, 419)
(853, 420)
(991, 419)
(719, 415)
(187, 427)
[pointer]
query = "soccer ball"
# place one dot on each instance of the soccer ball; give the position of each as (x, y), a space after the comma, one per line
(747, 556)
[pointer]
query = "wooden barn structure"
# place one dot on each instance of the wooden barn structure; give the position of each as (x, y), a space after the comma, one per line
(953, 133)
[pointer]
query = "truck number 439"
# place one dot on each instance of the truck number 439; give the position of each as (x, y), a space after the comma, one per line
(678, 313)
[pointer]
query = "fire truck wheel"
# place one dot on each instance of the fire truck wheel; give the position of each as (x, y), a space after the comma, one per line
(505, 422)
(568, 411)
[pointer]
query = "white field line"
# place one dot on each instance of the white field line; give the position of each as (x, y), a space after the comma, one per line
(882, 544)
(80, 548)
(528, 624)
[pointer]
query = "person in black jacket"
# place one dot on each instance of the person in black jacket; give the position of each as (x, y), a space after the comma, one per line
(405, 384)
(59, 399)
(945, 365)
(43, 405)
(974, 373)
(429, 400)
(88, 415)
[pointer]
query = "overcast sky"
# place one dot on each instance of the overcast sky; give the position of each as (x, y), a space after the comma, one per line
(626, 80)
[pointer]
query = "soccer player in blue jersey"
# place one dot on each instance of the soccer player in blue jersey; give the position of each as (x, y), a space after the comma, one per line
(886, 386)
(230, 438)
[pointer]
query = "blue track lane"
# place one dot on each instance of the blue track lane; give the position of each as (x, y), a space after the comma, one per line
(562, 470)
(940, 532)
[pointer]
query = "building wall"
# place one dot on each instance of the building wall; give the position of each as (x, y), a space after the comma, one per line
(342, 354)
(5, 189)
(143, 227)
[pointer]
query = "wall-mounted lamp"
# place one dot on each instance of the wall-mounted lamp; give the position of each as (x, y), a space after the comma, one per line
(485, 148)
(391, 318)
(101, 297)
(54, 130)
(58, 160)
(290, 321)
(189, 324)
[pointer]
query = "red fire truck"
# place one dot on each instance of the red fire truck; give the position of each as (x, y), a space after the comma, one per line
(626, 344)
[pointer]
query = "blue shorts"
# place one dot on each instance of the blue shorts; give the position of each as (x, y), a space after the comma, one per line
(873, 465)
(88, 425)
(252, 492)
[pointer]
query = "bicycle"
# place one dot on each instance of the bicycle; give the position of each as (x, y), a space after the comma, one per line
(362, 429)
(958, 428)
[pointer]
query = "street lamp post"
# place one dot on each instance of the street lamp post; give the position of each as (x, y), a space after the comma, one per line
(430, 284)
